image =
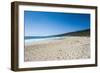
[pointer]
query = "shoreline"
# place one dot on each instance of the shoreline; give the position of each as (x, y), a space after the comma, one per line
(66, 48)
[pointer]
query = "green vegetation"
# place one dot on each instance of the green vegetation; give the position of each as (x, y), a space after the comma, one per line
(79, 33)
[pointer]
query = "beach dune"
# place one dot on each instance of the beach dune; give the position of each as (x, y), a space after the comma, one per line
(67, 48)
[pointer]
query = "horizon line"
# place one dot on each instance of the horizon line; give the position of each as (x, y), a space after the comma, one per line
(59, 34)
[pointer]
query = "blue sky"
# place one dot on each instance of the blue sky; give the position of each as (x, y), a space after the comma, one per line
(52, 23)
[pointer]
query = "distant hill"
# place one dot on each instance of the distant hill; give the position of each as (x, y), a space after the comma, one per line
(76, 33)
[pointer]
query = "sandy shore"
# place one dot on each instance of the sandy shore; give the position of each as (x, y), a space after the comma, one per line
(66, 48)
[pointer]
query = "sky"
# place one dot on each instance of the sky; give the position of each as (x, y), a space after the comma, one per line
(52, 23)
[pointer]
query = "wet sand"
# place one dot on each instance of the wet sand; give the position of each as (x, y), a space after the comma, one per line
(66, 48)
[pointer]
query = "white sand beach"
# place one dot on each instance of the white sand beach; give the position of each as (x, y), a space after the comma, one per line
(67, 48)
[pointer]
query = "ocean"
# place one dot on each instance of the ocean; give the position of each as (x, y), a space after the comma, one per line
(31, 40)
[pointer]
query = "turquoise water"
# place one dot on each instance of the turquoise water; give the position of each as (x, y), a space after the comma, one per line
(41, 39)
